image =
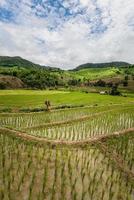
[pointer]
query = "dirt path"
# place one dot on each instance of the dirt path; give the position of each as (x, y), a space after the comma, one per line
(28, 137)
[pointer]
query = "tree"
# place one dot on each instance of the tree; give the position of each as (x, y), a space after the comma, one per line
(73, 82)
(114, 91)
(2, 86)
(126, 78)
(100, 83)
(125, 83)
(109, 84)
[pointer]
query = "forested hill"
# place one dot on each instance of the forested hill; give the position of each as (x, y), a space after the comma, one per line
(6, 61)
(30, 75)
(102, 65)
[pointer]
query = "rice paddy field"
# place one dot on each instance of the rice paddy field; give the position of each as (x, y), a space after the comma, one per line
(84, 153)
(19, 99)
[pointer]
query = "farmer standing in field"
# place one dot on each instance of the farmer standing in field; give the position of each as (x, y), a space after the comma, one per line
(48, 105)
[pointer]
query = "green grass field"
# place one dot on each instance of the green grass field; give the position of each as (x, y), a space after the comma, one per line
(17, 99)
(94, 73)
(98, 73)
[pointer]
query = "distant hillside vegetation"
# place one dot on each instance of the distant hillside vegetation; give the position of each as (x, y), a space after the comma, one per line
(6, 61)
(42, 77)
(102, 65)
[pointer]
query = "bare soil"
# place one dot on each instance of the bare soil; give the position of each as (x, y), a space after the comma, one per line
(11, 82)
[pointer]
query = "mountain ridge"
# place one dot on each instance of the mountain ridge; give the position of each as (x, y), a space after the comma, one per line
(8, 61)
(117, 64)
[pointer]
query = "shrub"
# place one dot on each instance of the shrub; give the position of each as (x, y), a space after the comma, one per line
(6, 110)
(125, 83)
(2, 86)
(114, 91)
(100, 83)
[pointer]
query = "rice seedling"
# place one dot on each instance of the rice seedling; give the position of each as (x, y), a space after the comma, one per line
(26, 120)
(105, 124)
(44, 172)
(100, 170)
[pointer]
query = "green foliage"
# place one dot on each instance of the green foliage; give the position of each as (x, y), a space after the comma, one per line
(7, 61)
(2, 85)
(125, 83)
(96, 73)
(100, 83)
(32, 78)
(43, 77)
(126, 78)
(114, 91)
(39, 79)
(102, 65)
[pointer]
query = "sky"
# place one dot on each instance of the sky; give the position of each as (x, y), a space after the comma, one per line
(67, 33)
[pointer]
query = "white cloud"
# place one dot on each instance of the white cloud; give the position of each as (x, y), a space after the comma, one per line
(2, 2)
(94, 31)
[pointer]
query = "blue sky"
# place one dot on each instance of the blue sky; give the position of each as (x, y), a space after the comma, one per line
(67, 33)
